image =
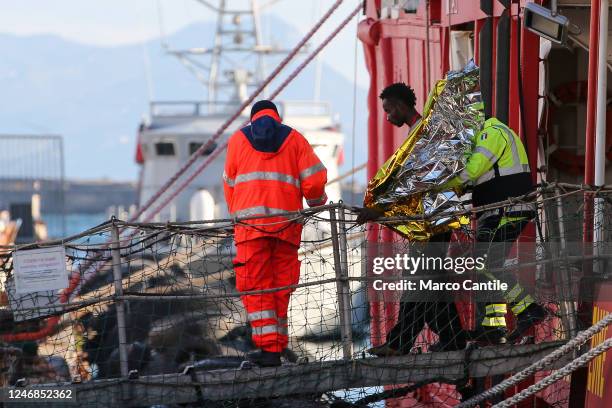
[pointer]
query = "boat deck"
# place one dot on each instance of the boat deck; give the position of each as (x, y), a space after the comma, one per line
(312, 378)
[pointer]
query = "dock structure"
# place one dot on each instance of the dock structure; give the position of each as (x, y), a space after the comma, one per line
(313, 378)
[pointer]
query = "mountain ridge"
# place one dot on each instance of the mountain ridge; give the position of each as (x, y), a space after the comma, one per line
(95, 96)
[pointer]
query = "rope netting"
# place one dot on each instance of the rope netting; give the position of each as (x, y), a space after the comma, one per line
(162, 323)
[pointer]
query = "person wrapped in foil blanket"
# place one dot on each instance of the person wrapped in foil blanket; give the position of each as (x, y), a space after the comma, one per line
(436, 150)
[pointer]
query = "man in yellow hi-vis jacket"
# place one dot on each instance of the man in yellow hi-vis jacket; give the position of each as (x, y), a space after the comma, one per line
(498, 169)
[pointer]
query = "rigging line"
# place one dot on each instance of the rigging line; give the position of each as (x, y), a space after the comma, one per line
(191, 60)
(210, 6)
(191, 66)
(354, 130)
(282, 86)
(268, 4)
(427, 55)
(197, 154)
(146, 61)
(348, 173)
(316, 10)
(160, 22)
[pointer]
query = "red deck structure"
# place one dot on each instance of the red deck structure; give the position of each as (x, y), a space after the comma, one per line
(415, 45)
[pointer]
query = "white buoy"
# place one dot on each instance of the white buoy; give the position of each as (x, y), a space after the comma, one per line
(201, 206)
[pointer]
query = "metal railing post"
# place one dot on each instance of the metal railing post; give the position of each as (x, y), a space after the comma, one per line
(342, 284)
(568, 307)
(119, 303)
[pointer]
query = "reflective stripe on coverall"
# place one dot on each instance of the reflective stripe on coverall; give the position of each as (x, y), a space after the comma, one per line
(269, 181)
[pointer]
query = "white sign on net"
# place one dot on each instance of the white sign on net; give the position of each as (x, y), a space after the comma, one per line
(39, 270)
(33, 305)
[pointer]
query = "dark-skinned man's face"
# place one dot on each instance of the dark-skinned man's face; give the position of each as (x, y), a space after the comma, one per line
(398, 113)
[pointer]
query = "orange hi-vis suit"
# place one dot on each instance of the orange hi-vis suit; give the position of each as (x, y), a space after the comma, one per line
(269, 169)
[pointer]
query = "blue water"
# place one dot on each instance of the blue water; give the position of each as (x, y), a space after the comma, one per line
(73, 223)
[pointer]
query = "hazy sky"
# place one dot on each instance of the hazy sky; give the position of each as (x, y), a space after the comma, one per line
(115, 22)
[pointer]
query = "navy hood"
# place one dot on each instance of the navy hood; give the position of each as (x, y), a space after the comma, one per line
(266, 134)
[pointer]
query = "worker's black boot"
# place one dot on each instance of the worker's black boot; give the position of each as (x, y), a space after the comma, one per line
(385, 350)
(489, 335)
(457, 343)
(264, 358)
(532, 315)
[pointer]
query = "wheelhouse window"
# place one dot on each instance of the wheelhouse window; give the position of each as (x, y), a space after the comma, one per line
(391, 8)
(411, 6)
(164, 149)
(193, 146)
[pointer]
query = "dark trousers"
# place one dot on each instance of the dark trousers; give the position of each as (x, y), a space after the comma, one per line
(441, 317)
(500, 240)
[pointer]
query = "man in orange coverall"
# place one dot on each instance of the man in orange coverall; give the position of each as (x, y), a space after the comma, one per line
(269, 169)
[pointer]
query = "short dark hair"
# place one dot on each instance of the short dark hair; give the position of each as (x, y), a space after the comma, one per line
(261, 105)
(401, 92)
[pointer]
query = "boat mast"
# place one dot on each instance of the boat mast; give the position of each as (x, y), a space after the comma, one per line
(235, 63)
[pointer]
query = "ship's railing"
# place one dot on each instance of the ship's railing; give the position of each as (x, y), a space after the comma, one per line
(162, 322)
(179, 109)
(305, 108)
(199, 108)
